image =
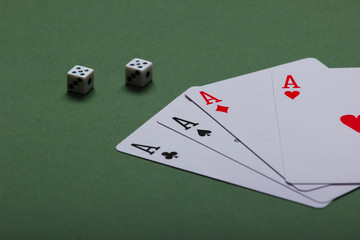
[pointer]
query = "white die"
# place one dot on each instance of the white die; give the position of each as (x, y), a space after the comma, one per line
(138, 72)
(80, 79)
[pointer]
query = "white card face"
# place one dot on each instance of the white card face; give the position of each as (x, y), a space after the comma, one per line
(244, 106)
(185, 118)
(159, 144)
(319, 124)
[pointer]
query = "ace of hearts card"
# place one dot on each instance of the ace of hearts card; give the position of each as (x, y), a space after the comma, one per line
(318, 115)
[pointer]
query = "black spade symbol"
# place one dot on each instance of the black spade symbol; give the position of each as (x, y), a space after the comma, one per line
(203, 133)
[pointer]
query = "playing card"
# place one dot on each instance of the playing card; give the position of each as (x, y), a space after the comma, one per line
(318, 115)
(244, 106)
(185, 118)
(159, 144)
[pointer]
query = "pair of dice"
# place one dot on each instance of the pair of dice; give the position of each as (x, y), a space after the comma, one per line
(138, 72)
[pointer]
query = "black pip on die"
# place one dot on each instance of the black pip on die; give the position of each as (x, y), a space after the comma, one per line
(80, 79)
(138, 72)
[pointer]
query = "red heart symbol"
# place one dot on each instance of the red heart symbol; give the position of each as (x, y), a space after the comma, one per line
(351, 121)
(292, 95)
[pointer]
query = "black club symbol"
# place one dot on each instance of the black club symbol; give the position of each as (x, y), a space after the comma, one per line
(169, 155)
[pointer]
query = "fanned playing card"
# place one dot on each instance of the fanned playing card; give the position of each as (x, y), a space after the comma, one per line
(318, 115)
(229, 131)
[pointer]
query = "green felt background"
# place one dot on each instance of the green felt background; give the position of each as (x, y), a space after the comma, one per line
(60, 175)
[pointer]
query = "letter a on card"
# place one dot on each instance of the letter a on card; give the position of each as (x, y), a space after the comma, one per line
(208, 98)
(287, 82)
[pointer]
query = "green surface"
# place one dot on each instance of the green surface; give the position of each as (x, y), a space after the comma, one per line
(60, 175)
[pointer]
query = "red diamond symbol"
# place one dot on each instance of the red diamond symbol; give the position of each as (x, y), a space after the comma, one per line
(222, 109)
